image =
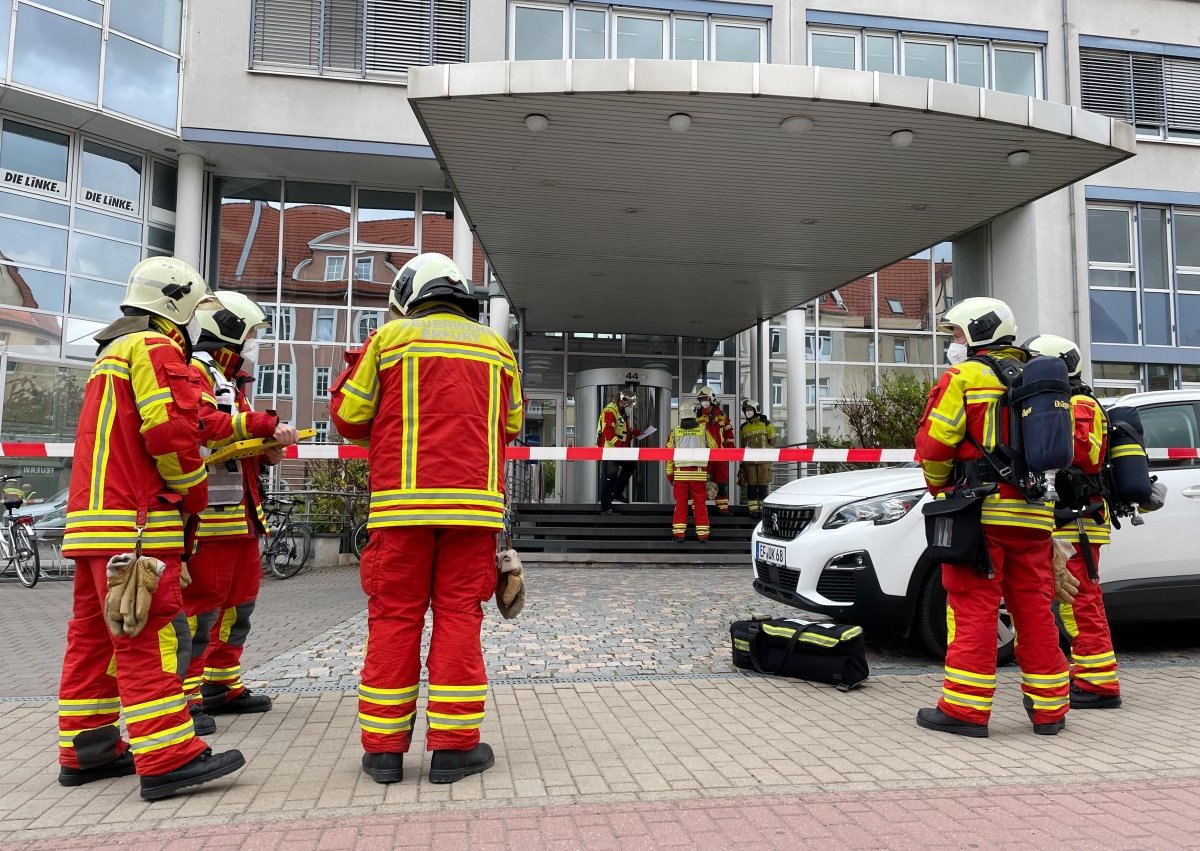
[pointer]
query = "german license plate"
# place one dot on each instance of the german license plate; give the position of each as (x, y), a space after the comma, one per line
(770, 554)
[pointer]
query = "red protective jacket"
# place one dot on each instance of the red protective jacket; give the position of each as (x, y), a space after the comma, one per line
(614, 428)
(435, 397)
(137, 448)
(717, 423)
(244, 520)
(1091, 447)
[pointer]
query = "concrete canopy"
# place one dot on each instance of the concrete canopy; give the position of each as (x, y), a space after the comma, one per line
(607, 219)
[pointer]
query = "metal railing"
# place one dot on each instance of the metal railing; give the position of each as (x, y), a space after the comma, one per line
(326, 512)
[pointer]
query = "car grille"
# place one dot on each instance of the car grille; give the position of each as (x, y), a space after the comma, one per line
(837, 585)
(778, 577)
(784, 524)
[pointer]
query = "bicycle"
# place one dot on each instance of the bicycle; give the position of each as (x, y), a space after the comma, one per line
(17, 544)
(359, 538)
(289, 544)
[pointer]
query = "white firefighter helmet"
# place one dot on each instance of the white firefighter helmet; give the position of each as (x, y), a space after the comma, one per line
(982, 320)
(706, 392)
(432, 277)
(166, 287)
(1055, 346)
(751, 405)
(232, 317)
(627, 397)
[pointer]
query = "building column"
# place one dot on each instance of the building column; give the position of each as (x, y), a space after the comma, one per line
(189, 209)
(764, 367)
(797, 414)
(464, 242)
(498, 315)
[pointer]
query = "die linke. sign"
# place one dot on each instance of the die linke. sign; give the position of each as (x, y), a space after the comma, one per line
(33, 183)
(112, 202)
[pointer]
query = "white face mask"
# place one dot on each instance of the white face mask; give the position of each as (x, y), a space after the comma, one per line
(956, 353)
(748, 414)
(250, 353)
(705, 404)
(193, 329)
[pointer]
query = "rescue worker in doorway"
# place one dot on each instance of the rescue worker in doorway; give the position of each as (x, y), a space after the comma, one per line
(1093, 662)
(718, 424)
(756, 432)
(434, 396)
(962, 415)
(137, 478)
(227, 569)
(616, 429)
(13, 492)
(689, 479)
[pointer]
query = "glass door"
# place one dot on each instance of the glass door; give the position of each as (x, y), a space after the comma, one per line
(544, 426)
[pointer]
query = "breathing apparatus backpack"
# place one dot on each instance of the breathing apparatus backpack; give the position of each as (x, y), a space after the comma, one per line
(1124, 479)
(1036, 407)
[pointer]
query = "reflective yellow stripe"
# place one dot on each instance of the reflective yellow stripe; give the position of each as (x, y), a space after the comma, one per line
(1097, 677)
(457, 694)
(1048, 703)
(971, 678)
(385, 726)
(1046, 680)
(171, 704)
(66, 738)
(1128, 450)
(444, 721)
(387, 697)
(89, 706)
(165, 738)
(1095, 661)
(972, 701)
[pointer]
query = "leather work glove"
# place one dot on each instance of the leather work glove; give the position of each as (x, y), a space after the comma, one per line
(1158, 497)
(711, 490)
(185, 576)
(510, 584)
(131, 585)
(1066, 586)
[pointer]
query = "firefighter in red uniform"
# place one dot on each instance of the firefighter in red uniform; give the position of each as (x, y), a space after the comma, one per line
(688, 479)
(435, 396)
(227, 569)
(137, 478)
(615, 429)
(963, 414)
(718, 424)
(1093, 662)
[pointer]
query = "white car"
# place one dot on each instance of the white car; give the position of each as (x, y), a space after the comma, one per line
(852, 545)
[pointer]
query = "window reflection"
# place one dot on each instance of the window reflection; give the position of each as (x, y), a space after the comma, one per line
(155, 21)
(103, 258)
(41, 400)
(925, 59)
(111, 178)
(247, 237)
(738, 44)
(34, 150)
(141, 82)
(100, 300)
(37, 245)
(639, 38)
(56, 54)
(539, 33)
(34, 208)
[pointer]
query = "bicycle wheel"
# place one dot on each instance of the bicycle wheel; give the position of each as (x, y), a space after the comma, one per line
(291, 551)
(360, 538)
(26, 557)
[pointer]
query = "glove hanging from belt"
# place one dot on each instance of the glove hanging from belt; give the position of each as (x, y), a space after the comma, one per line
(1066, 586)
(510, 584)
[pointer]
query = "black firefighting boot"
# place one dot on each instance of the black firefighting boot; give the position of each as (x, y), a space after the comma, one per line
(933, 718)
(216, 702)
(208, 766)
(1081, 699)
(384, 767)
(202, 721)
(450, 766)
(1052, 729)
(122, 766)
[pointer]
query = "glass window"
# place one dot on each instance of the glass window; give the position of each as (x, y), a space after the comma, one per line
(325, 325)
(1117, 371)
(367, 322)
(689, 38)
(30, 288)
(335, 268)
(925, 59)
(4, 24)
(1189, 320)
(881, 54)
(1187, 283)
(537, 33)
(1187, 239)
(280, 322)
(155, 21)
(1171, 426)
(591, 33)
(1189, 374)
(274, 380)
(386, 217)
(1156, 319)
(160, 240)
(321, 382)
(89, 10)
(437, 225)
(639, 38)
(108, 225)
(364, 268)
(1114, 316)
(35, 151)
(37, 245)
(1160, 376)
(1016, 71)
(1111, 278)
(970, 64)
(103, 258)
(851, 346)
(1153, 236)
(738, 44)
(141, 82)
(1108, 235)
(56, 54)
(162, 192)
(34, 208)
(111, 178)
(833, 51)
(96, 299)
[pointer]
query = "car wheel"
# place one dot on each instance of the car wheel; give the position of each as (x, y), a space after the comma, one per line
(930, 623)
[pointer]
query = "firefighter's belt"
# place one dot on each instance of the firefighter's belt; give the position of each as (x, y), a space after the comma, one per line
(253, 446)
(510, 584)
(132, 581)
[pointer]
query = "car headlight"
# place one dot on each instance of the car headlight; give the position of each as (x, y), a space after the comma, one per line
(881, 510)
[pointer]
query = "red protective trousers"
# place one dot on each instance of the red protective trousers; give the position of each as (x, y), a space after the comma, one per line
(405, 570)
(223, 665)
(1093, 662)
(225, 577)
(694, 490)
(1025, 580)
(104, 676)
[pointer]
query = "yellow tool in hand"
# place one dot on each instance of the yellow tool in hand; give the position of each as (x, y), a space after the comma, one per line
(253, 446)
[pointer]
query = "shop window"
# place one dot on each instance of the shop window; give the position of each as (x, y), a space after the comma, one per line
(57, 54)
(34, 159)
(111, 178)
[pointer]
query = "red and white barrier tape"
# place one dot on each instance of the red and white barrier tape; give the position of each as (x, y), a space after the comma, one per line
(596, 453)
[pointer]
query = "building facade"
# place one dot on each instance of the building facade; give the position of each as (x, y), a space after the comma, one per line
(270, 143)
